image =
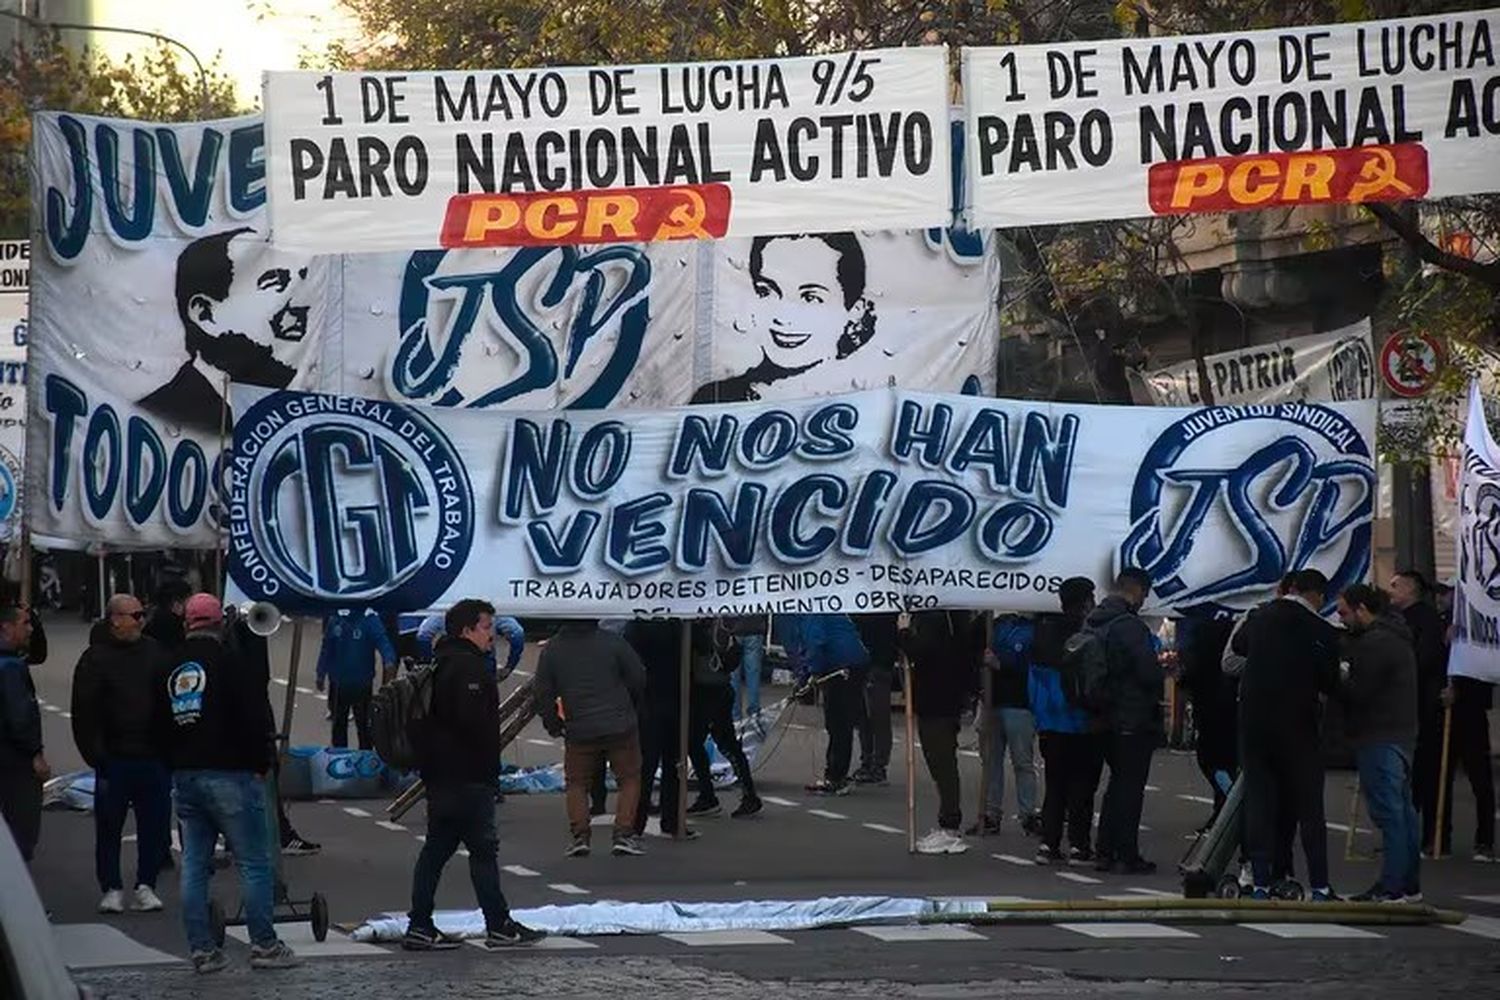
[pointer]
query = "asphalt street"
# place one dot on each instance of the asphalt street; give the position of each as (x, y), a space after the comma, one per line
(801, 847)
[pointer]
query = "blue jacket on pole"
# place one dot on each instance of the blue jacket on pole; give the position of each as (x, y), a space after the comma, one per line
(821, 644)
(350, 641)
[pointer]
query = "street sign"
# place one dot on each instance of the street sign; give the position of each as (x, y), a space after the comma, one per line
(1410, 363)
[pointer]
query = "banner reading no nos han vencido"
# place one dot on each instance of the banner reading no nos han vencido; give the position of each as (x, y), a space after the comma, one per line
(1374, 111)
(872, 501)
(608, 154)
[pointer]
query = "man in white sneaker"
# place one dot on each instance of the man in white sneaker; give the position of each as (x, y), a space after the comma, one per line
(120, 725)
(943, 650)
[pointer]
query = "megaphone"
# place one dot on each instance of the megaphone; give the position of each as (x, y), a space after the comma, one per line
(261, 617)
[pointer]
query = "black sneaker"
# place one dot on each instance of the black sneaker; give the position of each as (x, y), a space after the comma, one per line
(985, 826)
(300, 846)
(1080, 855)
(704, 808)
(1047, 855)
(511, 935)
(427, 939)
(1140, 866)
(1032, 826)
(870, 776)
(691, 834)
(627, 847)
(749, 806)
(579, 848)
(826, 787)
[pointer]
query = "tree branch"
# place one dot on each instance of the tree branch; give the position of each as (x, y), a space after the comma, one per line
(1411, 234)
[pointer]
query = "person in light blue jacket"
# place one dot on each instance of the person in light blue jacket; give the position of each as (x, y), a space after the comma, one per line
(821, 646)
(346, 662)
(506, 628)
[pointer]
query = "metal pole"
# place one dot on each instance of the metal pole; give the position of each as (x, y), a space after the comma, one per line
(1353, 820)
(683, 707)
(911, 757)
(103, 598)
(221, 585)
(289, 707)
(984, 728)
(1442, 788)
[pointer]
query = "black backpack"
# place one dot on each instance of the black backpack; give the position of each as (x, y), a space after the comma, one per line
(1084, 669)
(399, 716)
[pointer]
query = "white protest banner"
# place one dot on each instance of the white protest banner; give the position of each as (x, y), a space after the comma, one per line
(871, 501)
(148, 296)
(1475, 651)
(15, 284)
(608, 154)
(1336, 367)
(1373, 111)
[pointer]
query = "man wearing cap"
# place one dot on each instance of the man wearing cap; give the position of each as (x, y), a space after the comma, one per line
(221, 746)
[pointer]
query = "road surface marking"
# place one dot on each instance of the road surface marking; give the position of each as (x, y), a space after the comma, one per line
(929, 932)
(1343, 828)
(1202, 799)
(545, 944)
(780, 802)
(710, 939)
(520, 871)
(328, 802)
(463, 852)
(66, 715)
(1126, 930)
(882, 828)
(567, 888)
(1156, 893)
(969, 753)
(1080, 879)
(826, 814)
(540, 743)
(1152, 788)
(300, 937)
(1312, 932)
(52, 708)
(1012, 859)
(280, 680)
(303, 690)
(421, 838)
(1492, 900)
(94, 946)
(388, 825)
(1485, 927)
(356, 811)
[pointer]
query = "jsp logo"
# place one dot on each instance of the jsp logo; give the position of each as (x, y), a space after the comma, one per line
(1230, 499)
(548, 309)
(345, 502)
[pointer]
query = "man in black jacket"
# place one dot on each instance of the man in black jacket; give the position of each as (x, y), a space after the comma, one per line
(120, 724)
(716, 655)
(1380, 693)
(23, 765)
(943, 649)
(1132, 720)
(1411, 597)
(220, 748)
(878, 633)
(659, 645)
(165, 623)
(1292, 658)
(459, 750)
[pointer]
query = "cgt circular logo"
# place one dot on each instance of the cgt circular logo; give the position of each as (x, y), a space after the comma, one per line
(340, 502)
(1230, 499)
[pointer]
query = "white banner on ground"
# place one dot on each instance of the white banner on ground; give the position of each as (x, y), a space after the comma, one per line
(608, 154)
(1371, 111)
(15, 284)
(1336, 367)
(871, 501)
(1475, 651)
(154, 283)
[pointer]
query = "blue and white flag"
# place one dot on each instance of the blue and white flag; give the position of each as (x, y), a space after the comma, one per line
(1475, 651)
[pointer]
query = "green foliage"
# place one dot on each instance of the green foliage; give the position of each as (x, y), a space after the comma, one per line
(46, 75)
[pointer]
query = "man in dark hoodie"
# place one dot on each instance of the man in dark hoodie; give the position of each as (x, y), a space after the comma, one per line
(659, 645)
(1291, 662)
(716, 655)
(459, 759)
(221, 746)
(165, 623)
(1380, 694)
(1132, 720)
(120, 724)
(588, 683)
(23, 764)
(878, 633)
(943, 649)
(1411, 598)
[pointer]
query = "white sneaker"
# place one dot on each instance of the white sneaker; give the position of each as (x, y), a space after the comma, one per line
(942, 842)
(146, 900)
(113, 902)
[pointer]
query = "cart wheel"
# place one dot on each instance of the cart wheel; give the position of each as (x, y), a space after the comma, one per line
(319, 917)
(1229, 887)
(216, 921)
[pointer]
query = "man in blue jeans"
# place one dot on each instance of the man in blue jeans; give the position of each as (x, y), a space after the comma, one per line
(750, 630)
(119, 725)
(1012, 726)
(221, 747)
(1380, 697)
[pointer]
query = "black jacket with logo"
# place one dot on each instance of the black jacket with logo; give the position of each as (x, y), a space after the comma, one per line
(462, 743)
(118, 710)
(220, 716)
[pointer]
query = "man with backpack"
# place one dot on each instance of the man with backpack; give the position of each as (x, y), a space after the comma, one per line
(1071, 749)
(458, 743)
(716, 655)
(1012, 726)
(1129, 702)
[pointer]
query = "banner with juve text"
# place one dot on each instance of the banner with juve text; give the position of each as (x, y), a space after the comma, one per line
(1475, 650)
(1319, 114)
(873, 501)
(608, 154)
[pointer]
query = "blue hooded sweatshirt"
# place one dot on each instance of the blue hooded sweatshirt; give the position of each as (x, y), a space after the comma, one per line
(821, 644)
(350, 641)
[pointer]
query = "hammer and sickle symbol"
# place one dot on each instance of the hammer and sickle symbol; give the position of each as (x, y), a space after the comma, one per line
(1376, 174)
(686, 219)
